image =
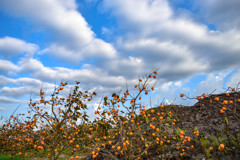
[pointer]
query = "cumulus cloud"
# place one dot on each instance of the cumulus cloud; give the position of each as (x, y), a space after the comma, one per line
(19, 81)
(90, 76)
(2, 109)
(7, 67)
(234, 80)
(74, 39)
(29, 65)
(224, 14)
(20, 87)
(4, 99)
(213, 83)
(180, 46)
(150, 37)
(139, 13)
(97, 48)
(13, 92)
(10, 46)
(5, 80)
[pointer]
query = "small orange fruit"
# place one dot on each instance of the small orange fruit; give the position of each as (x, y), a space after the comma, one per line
(182, 132)
(221, 147)
(225, 102)
(204, 95)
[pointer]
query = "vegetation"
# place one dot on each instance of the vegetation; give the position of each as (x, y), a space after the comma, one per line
(123, 127)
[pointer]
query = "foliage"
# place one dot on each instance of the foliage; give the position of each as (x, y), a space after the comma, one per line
(123, 128)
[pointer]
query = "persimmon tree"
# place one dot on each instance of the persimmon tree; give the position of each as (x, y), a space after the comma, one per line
(121, 133)
(124, 127)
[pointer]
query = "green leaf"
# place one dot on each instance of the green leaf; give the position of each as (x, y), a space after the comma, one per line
(226, 120)
(146, 119)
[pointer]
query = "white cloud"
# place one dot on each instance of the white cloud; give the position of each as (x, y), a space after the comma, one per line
(178, 45)
(5, 80)
(96, 49)
(21, 87)
(90, 77)
(74, 39)
(139, 12)
(224, 14)
(151, 37)
(4, 99)
(29, 65)
(234, 80)
(107, 32)
(13, 92)
(7, 67)
(10, 46)
(2, 109)
(212, 83)
(19, 81)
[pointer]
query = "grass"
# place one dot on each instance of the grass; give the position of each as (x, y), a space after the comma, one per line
(6, 157)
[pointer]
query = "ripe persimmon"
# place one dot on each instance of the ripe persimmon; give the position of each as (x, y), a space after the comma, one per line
(204, 95)
(225, 102)
(182, 132)
(221, 147)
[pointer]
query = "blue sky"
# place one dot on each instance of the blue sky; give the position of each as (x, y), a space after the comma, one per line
(106, 43)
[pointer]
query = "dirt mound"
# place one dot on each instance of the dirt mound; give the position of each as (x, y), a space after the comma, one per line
(205, 116)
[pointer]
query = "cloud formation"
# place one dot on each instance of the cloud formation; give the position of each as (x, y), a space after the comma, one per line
(150, 36)
(224, 14)
(180, 46)
(74, 39)
(10, 46)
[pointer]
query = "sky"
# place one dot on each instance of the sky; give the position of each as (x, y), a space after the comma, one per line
(106, 44)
